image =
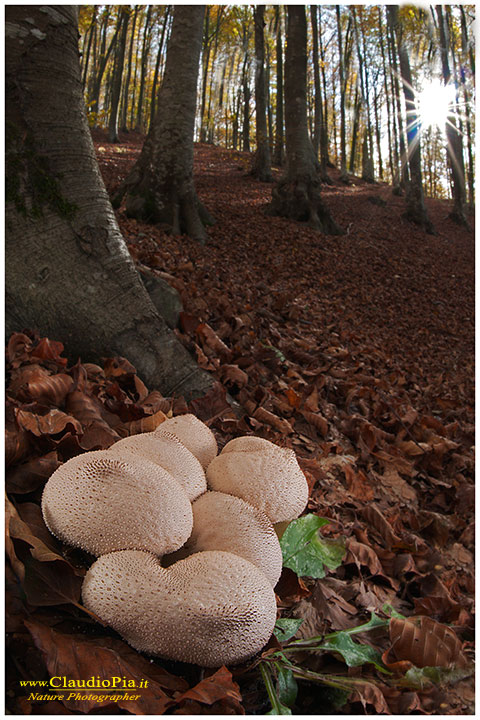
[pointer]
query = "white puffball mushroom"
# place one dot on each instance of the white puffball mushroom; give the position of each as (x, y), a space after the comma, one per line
(194, 434)
(266, 476)
(102, 503)
(248, 443)
(225, 522)
(167, 451)
(212, 608)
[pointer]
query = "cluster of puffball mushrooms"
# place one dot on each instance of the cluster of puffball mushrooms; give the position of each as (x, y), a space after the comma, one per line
(183, 572)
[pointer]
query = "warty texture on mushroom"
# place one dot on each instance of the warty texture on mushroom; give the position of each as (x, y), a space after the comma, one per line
(194, 434)
(166, 450)
(102, 503)
(266, 476)
(211, 608)
(225, 522)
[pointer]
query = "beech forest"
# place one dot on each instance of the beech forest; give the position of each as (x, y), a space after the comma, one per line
(239, 336)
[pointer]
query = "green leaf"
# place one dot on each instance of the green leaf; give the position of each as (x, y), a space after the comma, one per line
(285, 628)
(391, 612)
(374, 622)
(287, 686)
(421, 678)
(354, 653)
(306, 552)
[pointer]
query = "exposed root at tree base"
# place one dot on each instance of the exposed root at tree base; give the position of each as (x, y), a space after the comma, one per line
(300, 200)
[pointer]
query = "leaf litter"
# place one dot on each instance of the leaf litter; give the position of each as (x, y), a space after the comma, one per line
(355, 351)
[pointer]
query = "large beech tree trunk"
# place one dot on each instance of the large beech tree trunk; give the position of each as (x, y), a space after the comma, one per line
(160, 186)
(68, 271)
(297, 195)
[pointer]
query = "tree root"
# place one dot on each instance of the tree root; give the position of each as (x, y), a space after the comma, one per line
(300, 200)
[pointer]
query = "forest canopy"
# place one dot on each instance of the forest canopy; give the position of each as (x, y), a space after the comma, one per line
(356, 108)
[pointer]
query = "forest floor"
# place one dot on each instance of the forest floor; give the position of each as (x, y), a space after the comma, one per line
(357, 351)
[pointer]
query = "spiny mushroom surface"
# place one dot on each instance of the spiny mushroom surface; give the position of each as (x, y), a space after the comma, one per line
(194, 434)
(225, 522)
(166, 450)
(268, 477)
(248, 443)
(211, 608)
(102, 503)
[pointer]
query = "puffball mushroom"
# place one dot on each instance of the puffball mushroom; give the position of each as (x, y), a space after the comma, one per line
(225, 522)
(167, 451)
(211, 608)
(266, 476)
(194, 434)
(101, 503)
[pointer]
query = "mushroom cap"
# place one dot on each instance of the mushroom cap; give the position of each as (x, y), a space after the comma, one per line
(212, 608)
(194, 434)
(102, 503)
(167, 451)
(225, 522)
(248, 443)
(268, 478)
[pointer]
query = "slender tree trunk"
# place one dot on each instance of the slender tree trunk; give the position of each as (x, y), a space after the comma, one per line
(297, 195)
(343, 148)
(357, 107)
(92, 30)
(123, 19)
(246, 108)
(324, 152)
(103, 59)
(279, 147)
(261, 168)
(454, 138)
(160, 187)
(68, 271)
(206, 60)
(377, 132)
(143, 69)
(209, 124)
(416, 210)
(403, 177)
(124, 111)
(319, 122)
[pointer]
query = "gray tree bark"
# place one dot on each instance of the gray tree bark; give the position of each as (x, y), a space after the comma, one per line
(278, 149)
(297, 195)
(261, 168)
(68, 271)
(160, 187)
(454, 138)
(123, 20)
(416, 210)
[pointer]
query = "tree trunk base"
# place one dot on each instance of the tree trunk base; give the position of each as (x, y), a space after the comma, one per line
(458, 217)
(300, 200)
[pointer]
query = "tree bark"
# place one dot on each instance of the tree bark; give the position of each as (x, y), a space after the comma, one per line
(123, 20)
(143, 69)
(343, 143)
(279, 147)
(157, 64)
(319, 122)
(68, 271)
(297, 195)
(205, 63)
(416, 210)
(124, 112)
(261, 168)
(454, 138)
(160, 187)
